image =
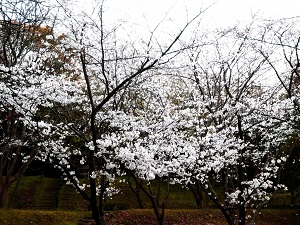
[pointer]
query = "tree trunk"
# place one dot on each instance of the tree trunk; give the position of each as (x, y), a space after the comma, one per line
(159, 216)
(93, 191)
(197, 193)
(93, 200)
(136, 192)
(95, 212)
(154, 199)
(104, 185)
(242, 215)
(294, 195)
(228, 216)
(3, 196)
(13, 194)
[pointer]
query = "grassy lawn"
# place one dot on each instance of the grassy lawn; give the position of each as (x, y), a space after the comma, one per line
(26, 217)
(200, 217)
(141, 217)
(47, 201)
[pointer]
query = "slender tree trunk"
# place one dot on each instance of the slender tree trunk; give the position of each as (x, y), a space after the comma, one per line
(228, 216)
(294, 195)
(104, 185)
(242, 215)
(3, 196)
(13, 194)
(160, 217)
(136, 192)
(2, 200)
(154, 200)
(95, 211)
(197, 193)
(93, 190)
(93, 200)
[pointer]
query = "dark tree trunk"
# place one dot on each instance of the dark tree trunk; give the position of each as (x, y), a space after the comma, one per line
(95, 212)
(197, 193)
(13, 194)
(242, 215)
(229, 216)
(136, 191)
(3, 196)
(294, 195)
(93, 191)
(160, 216)
(104, 185)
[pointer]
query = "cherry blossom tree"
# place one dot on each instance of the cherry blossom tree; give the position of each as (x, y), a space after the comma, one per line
(27, 87)
(283, 37)
(223, 127)
(290, 172)
(220, 124)
(113, 71)
(100, 103)
(147, 152)
(240, 124)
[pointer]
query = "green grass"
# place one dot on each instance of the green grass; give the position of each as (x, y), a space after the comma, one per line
(199, 217)
(179, 198)
(26, 192)
(69, 199)
(142, 217)
(26, 217)
(146, 216)
(30, 207)
(42, 193)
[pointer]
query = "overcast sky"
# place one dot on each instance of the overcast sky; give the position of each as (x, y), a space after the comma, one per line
(225, 12)
(221, 13)
(142, 16)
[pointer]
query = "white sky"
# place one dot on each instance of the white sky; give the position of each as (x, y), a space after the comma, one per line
(142, 16)
(229, 11)
(221, 13)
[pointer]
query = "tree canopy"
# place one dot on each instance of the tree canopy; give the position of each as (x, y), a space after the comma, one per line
(212, 108)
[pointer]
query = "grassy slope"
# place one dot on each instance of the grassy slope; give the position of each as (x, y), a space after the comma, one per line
(141, 217)
(31, 195)
(26, 217)
(201, 217)
(42, 193)
(48, 194)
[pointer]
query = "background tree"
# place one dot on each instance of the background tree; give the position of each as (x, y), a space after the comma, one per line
(25, 87)
(283, 37)
(222, 128)
(21, 29)
(237, 125)
(290, 173)
(111, 67)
